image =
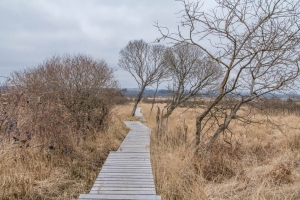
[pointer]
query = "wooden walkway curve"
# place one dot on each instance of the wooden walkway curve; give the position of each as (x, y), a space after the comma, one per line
(127, 173)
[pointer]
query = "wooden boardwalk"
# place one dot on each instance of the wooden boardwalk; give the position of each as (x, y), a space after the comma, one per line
(127, 173)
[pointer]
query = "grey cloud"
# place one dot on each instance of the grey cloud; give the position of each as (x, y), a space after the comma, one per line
(34, 30)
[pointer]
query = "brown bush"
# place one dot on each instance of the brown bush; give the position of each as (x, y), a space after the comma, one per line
(54, 133)
(64, 94)
(276, 106)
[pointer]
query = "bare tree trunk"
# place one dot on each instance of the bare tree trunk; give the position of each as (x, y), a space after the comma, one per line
(158, 120)
(154, 97)
(169, 111)
(222, 127)
(138, 99)
(201, 117)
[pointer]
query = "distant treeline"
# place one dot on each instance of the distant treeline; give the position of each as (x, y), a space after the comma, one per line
(132, 92)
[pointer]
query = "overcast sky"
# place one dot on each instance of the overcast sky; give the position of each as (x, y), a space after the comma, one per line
(33, 30)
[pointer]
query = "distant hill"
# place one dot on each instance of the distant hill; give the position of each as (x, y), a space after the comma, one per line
(132, 92)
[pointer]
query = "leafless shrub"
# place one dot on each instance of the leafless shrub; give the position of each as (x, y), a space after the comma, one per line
(276, 106)
(63, 96)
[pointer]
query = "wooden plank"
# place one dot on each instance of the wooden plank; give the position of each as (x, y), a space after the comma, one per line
(124, 181)
(127, 192)
(124, 175)
(136, 166)
(113, 188)
(134, 150)
(144, 192)
(124, 184)
(133, 156)
(133, 162)
(135, 171)
(130, 155)
(118, 153)
(122, 187)
(129, 172)
(116, 197)
(114, 163)
(132, 179)
(125, 167)
(115, 180)
(128, 164)
(130, 158)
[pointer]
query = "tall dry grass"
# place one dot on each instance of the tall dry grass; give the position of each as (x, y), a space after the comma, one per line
(260, 161)
(52, 172)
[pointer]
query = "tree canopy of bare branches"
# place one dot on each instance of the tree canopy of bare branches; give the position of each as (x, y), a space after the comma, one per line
(255, 41)
(191, 72)
(145, 63)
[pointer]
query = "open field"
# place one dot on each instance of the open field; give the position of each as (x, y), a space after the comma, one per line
(258, 161)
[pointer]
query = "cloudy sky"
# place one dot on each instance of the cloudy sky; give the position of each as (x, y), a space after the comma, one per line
(33, 30)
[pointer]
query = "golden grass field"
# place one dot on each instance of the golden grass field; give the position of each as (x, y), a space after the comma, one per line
(261, 162)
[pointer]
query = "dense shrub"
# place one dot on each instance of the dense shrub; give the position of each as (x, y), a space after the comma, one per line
(63, 96)
(275, 106)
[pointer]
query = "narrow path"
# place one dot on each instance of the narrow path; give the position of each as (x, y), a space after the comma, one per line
(127, 173)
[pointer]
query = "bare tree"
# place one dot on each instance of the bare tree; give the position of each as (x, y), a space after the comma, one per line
(191, 73)
(145, 63)
(255, 41)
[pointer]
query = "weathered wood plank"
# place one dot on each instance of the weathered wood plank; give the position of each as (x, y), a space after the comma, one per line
(125, 175)
(127, 192)
(116, 197)
(133, 163)
(130, 157)
(127, 162)
(125, 159)
(116, 164)
(127, 171)
(113, 188)
(126, 167)
(114, 180)
(125, 182)
(134, 171)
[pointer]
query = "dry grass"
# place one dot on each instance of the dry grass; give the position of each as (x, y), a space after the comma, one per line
(37, 172)
(262, 162)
